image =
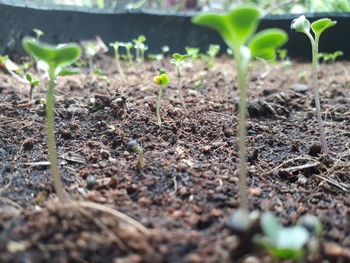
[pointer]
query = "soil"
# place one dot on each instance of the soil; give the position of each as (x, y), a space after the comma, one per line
(188, 188)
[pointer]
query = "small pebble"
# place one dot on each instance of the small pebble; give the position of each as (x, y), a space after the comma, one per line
(90, 182)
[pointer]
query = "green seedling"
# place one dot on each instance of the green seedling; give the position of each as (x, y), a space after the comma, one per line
(134, 147)
(139, 48)
(165, 50)
(128, 46)
(193, 52)
(24, 66)
(99, 72)
(92, 48)
(330, 57)
(69, 71)
(301, 24)
(178, 60)
(158, 57)
(210, 55)
(237, 28)
(282, 54)
(55, 58)
(116, 46)
(162, 81)
(288, 242)
(33, 83)
(38, 33)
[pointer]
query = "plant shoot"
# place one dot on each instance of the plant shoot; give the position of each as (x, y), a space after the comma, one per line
(134, 147)
(32, 84)
(55, 58)
(301, 24)
(162, 81)
(116, 46)
(237, 28)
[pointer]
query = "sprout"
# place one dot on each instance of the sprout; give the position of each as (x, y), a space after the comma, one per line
(162, 81)
(32, 83)
(165, 50)
(301, 24)
(38, 33)
(55, 59)
(128, 46)
(92, 48)
(288, 242)
(134, 147)
(237, 28)
(193, 52)
(330, 56)
(115, 46)
(178, 60)
(140, 48)
(210, 55)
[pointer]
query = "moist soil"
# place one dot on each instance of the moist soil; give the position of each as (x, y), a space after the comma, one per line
(188, 189)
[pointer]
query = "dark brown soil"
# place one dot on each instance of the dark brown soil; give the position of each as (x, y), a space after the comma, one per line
(188, 188)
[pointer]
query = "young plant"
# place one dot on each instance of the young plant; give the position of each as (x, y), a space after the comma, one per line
(237, 28)
(92, 48)
(32, 83)
(193, 52)
(330, 57)
(128, 46)
(178, 60)
(162, 81)
(165, 50)
(210, 55)
(301, 24)
(55, 58)
(139, 47)
(288, 242)
(134, 147)
(38, 33)
(116, 46)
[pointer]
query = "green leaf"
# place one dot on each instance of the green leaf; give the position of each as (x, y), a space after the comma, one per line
(54, 56)
(35, 83)
(180, 57)
(164, 80)
(265, 43)
(69, 71)
(301, 24)
(321, 25)
(235, 27)
(270, 226)
(29, 77)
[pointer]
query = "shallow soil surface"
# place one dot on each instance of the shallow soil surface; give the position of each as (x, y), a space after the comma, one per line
(188, 188)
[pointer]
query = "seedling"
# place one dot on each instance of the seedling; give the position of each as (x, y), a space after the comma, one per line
(210, 55)
(237, 28)
(178, 60)
(92, 48)
(38, 33)
(165, 50)
(162, 81)
(193, 52)
(116, 46)
(55, 58)
(283, 56)
(330, 57)
(128, 46)
(32, 83)
(301, 24)
(288, 242)
(139, 48)
(134, 147)
(157, 57)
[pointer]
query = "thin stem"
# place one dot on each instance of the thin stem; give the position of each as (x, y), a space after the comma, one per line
(51, 143)
(179, 91)
(159, 120)
(242, 166)
(141, 161)
(119, 67)
(31, 92)
(128, 52)
(314, 45)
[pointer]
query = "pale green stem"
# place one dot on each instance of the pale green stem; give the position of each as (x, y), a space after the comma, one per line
(51, 143)
(141, 161)
(179, 91)
(117, 62)
(242, 166)
(128, 52)
(314, 45)
(159, 120)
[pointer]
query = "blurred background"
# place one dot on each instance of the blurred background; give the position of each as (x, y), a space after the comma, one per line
(270, 6)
